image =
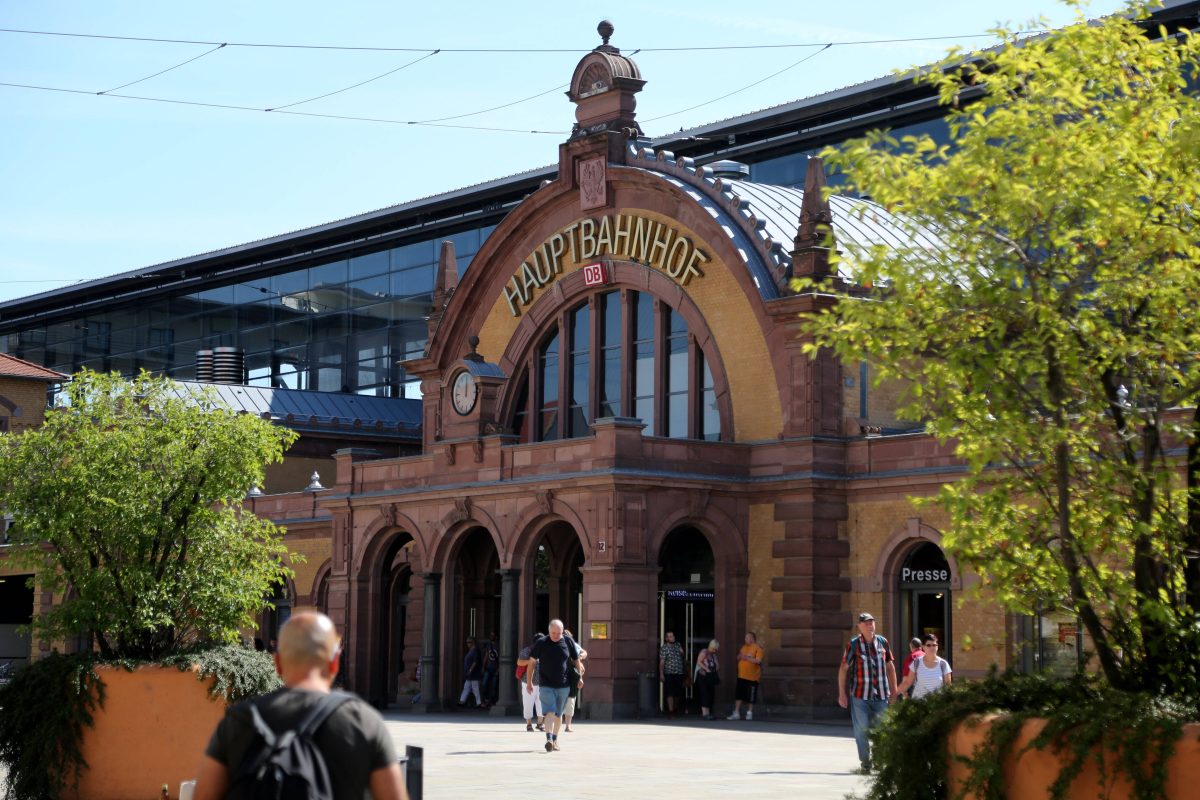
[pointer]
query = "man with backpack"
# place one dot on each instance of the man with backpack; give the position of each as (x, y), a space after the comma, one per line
(555, 655)
(302, 741)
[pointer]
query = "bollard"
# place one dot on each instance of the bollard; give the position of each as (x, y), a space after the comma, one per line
(646, 684)
(414, 775)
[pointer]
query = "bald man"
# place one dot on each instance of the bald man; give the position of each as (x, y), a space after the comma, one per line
(357, 748)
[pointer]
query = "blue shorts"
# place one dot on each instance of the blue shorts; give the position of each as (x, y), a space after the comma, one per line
(553, 700)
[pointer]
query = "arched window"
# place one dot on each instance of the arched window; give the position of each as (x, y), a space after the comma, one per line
(625, 353)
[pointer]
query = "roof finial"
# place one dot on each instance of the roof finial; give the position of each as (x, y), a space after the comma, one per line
(605, 29)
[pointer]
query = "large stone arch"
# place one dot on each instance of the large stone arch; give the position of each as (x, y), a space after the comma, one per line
(544, 509)
(728, 296)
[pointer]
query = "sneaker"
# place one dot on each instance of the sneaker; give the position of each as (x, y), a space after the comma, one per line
(735, 715)
(529, 726)
(549, 746)
(749, 715)
(555, 745)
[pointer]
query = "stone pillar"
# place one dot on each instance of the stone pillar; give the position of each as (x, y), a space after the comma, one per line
(509, 702)
(431, 642)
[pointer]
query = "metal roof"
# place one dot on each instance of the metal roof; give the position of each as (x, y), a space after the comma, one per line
(323, 412)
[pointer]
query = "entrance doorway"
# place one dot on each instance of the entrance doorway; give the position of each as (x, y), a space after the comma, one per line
(558, 579)
(687, 594)
(924, 590)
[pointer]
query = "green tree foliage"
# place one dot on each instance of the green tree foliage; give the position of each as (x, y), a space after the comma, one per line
(1053, 335)
(128, 504)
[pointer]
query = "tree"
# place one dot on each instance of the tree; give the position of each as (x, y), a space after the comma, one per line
(1053, 334)
(127, 502)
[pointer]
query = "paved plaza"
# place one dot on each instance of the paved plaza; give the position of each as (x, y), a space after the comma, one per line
(472, 755)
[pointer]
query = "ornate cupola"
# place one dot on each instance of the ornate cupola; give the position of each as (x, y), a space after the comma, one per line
(603, 89)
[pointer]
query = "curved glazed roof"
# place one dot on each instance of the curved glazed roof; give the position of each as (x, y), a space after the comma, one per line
(762, 219)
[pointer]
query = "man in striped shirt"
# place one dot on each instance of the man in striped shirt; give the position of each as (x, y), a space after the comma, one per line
(872, 670)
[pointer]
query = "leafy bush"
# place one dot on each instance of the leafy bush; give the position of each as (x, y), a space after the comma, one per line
(1127, 732)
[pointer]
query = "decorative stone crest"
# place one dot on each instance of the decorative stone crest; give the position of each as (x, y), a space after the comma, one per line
(592, 184)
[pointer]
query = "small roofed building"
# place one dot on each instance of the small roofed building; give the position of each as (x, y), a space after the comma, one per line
(24, 392)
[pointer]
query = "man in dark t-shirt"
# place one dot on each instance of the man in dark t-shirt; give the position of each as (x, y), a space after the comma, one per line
(356, 746)
(554, 654)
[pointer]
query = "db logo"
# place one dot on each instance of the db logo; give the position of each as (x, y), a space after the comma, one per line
(594, 275)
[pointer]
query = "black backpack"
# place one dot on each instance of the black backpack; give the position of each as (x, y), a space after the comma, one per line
(287, 765)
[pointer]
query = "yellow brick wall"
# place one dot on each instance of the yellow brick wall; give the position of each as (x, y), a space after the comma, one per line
(315, 552)
(761, 601)
(728, 312)
(30, 396)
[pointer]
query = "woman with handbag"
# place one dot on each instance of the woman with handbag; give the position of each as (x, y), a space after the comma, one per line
(708, 676)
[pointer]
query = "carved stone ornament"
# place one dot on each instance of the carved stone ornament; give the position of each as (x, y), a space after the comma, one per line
(592, 184)
(389, 514)
(698, 503)
(594, 80)
(545, 500)
(477, 447)
(462, 506)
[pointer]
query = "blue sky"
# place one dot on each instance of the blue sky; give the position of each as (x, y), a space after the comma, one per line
(95, 185)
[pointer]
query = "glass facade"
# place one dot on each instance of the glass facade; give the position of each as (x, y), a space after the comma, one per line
(335, 326)
(341, 324)
(670, 385)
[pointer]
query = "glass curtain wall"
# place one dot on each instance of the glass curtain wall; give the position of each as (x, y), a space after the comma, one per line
(335, 326)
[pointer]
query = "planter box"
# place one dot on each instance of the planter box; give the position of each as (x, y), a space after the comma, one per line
(1028, 776)
(152, 730)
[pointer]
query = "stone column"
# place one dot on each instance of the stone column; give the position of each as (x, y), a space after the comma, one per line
(431, 642)
(509, 702)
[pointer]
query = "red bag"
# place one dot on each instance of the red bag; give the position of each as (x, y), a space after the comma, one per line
(521, 673)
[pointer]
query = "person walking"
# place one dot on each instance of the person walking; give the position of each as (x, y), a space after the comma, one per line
(472, 673)
(708, 676)
(749, 674)
(356, 747)
(531, 702)
(929, 673)
(871, 668)
(555, 655)
(670, 672)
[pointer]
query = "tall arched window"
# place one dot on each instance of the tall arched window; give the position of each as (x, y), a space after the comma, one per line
(623, 353)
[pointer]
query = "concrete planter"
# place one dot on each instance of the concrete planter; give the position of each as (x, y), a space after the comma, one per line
(151, 731)
(1028, 775)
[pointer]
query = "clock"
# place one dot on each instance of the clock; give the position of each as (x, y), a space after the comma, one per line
(464, 393)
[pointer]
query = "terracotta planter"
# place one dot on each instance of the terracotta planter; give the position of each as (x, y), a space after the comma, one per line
(152, 730)
(1028, 776)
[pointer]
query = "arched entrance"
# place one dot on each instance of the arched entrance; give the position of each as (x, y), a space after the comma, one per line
(558, 582)
(923, 588)
(687, 598)
(390, 650)
(476, 593)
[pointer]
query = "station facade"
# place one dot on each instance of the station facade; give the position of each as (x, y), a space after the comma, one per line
(588, 399)
(621, 429)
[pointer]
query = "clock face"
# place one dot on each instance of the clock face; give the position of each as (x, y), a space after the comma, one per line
(464, 393)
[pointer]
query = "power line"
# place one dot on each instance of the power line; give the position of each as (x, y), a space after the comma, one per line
(744, 88)
(163, 71)
(356, 85)
(229, 107)
(853, 42)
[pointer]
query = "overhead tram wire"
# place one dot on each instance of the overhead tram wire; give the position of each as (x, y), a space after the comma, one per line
(518, 50)
(163, 71)
(229, 107)
(744, 88)
(356, 85)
